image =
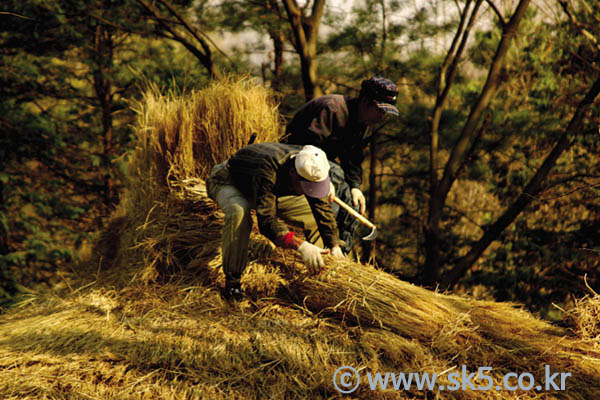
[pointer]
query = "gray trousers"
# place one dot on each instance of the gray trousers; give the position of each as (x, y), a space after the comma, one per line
(295, 210)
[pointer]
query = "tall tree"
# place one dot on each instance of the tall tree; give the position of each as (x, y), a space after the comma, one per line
(266, 18)
(533, 188)
(580, 32)
(102, 56)
(277, 34)
(305, 29)
(439, 189)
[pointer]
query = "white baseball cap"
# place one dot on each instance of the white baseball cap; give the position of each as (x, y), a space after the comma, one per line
(313, 168)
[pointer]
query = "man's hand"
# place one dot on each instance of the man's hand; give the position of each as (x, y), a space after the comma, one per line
(312, 256)
(336, 252)
(358, 199)
(331, 194)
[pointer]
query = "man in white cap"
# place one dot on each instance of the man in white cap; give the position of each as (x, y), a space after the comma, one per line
(281, 182)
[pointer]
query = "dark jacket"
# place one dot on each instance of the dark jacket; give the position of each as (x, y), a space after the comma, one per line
(261, 172)
(331, 123)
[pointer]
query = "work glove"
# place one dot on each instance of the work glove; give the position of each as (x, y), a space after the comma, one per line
(312, 256)
(336, 252)
(358, 199)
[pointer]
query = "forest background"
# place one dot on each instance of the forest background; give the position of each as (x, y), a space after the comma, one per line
(487, 183)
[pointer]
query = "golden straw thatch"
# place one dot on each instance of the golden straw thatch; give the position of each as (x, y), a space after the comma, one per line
(145, 319)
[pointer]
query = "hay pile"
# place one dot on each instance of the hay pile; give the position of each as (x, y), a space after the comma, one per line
(179, 139)
(151, 323)
(585, 318)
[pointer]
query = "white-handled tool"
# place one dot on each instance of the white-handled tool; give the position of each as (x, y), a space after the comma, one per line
(356, 214)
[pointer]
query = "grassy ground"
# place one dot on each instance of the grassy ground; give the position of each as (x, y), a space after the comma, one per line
(180, 340)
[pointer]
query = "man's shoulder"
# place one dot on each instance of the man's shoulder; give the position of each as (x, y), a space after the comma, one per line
(322, 115)
(336, 103)
(271, 148)
(263, 153)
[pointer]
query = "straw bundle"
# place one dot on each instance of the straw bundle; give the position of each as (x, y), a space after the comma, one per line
(156, 230)
(187, 135)
(584, 317)
(474, 333)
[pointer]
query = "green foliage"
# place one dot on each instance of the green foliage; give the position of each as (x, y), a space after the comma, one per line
(484, 48)
(368, 43)
(422, 68)
(39, 27)
(53, 163)
(540, 267)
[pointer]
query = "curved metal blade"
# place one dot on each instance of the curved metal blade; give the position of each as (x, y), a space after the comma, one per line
(372, 235)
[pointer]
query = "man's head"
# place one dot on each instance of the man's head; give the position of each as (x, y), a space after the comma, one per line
(377, 98)
(311, 172)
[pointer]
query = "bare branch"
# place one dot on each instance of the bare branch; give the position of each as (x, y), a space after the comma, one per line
(117, 26)
(470, 128)
(16, 15)
(315, 19)
(568, 193)
(195, 32)
(497, 11)
(452, 50)
(204, 57)
(295, 18)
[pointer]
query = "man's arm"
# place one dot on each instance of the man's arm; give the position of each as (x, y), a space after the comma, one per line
(325, 220)
(269, 224)
(277, 231)
(351, 163)
(310, 125)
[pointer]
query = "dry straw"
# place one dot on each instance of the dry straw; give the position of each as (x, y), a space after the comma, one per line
(189, 134)
(152, 324)
(585, 317)
(180, 137)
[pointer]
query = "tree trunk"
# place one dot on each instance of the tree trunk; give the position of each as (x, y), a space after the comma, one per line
(278, 38)
(103, 60)
(308, 65)
(384, 35)
(531, 190)
(439, 190)
(372, 188)
(447, 74)
(3, 226)
(305, 31)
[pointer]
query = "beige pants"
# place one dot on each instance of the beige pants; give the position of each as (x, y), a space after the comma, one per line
(295, 210)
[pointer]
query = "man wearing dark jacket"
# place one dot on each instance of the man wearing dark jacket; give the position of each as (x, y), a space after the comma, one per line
(282, 182)
(340, 125)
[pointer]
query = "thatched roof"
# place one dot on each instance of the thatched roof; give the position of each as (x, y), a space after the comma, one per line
(144, 318)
